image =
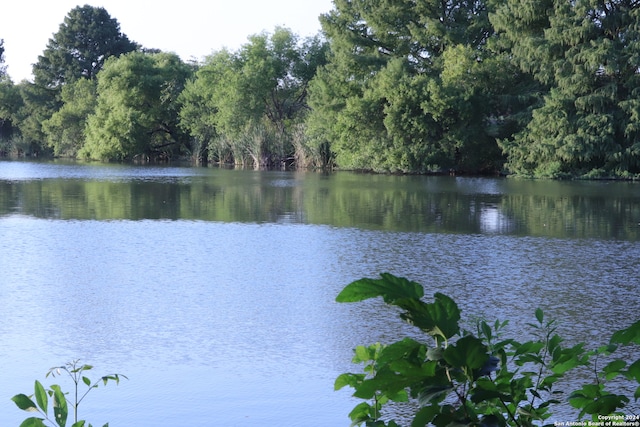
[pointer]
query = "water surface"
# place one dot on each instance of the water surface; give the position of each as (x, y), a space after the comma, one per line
(213, 290)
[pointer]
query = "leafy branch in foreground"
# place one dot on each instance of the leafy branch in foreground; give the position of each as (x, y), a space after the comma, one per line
(61, 401)
(481, 379)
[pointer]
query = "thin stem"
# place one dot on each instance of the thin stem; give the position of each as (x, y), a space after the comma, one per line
(512, 416)
(542, 365)
(75, 404)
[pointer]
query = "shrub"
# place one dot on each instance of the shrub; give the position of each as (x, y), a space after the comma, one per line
(476, 378)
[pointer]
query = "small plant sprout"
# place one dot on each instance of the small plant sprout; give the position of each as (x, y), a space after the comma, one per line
(61, 400)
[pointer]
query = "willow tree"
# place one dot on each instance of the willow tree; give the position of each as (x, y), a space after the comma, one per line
(64, 130)
(252, 100)
(410, 86)
(587, 52)
(136, 114)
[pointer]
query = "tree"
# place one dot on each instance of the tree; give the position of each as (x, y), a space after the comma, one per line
(65, 129)
(390, 98)
(587, 53)
(86, 39)
(481, 378)
(10, 103)
(36, 104)
(137, 111)
(251, 101)
(3, 68)
(199, 107)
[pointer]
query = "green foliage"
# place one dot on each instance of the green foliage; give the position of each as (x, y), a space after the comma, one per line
(65, 129)
(85, 40)
(10, 103)
(137, 111)
(3, 68)
(36, 105)
(586, 53)
(60, 401)
(543, 89)
(466, 379)
(411, 87)
(247, 104)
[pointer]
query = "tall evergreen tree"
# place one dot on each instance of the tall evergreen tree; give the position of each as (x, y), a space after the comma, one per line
(587, 52)
(3, 68)
(86, 38)
(408, 86)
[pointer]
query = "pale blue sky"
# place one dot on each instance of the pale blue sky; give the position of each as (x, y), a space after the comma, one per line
(190, 28)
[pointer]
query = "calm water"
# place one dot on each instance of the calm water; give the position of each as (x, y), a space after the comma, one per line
(213, 290)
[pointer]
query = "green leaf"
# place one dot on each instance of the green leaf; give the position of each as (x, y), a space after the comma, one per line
(400, 350)
(431, 393)
(613, 368)
(567, 359)
(425, 415)
(486, 330)
(41, 397)
(480, 395)
(627, 335)
(554, 344)
(33, 422)
(539, 315)
(529, 347)
(398, 396)
(434, 353)
(438, 319)
(386, 382)
(634, 371)
(60, 410)
(348, 379)
(367, 353)
(468, 352)
(23, 402)
(86, 380)
(492, 421)
(606, 349)
(389, 287)
(360, 413)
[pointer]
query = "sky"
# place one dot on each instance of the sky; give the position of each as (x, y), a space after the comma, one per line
(192, 29)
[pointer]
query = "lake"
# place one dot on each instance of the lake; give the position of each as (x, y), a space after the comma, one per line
(214, 290)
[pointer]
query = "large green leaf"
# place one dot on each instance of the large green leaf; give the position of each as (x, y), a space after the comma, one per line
(24, 402)
(60, 410)
(633, 372)
(360, 413)
(439, 318)
(387, 382)
(389, 287)
(446, 315)
(348, 379)
(627, 335)
(41, 397)
(468, 352)
(403, 349)
(613, 368)
(425, 414)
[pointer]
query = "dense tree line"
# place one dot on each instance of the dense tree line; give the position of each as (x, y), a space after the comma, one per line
(545, 89)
